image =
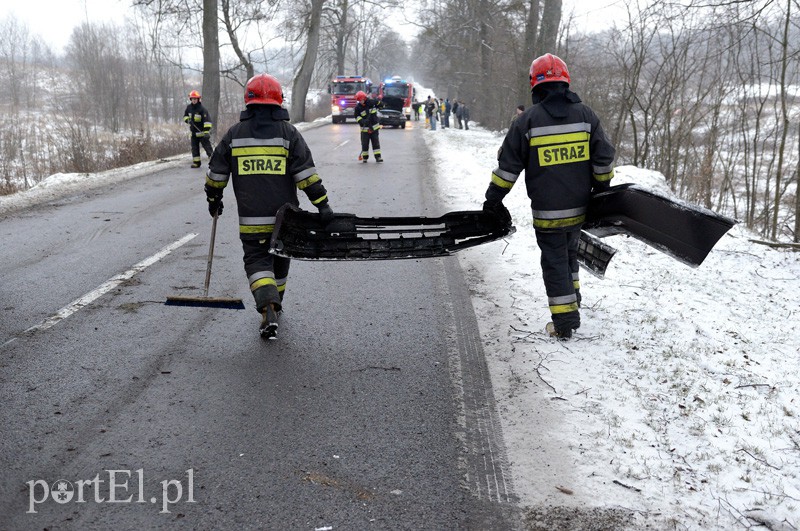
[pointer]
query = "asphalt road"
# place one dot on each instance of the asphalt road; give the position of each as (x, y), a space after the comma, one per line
(372, 410)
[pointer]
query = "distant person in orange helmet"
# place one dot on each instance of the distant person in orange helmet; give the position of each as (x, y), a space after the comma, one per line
(199, 127)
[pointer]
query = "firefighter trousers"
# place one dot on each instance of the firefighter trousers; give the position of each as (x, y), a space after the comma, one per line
(196, 142)
(366, 137)
(560, 272)
(266, 273)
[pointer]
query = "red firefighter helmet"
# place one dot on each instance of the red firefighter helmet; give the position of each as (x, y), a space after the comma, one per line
(263, 88)
(361, 96)
(548, 68)
(194, 94)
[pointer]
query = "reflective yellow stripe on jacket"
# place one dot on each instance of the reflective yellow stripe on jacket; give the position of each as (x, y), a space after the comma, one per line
(556, 219)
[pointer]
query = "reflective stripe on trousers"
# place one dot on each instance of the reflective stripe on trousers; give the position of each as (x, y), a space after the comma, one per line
(559, 271)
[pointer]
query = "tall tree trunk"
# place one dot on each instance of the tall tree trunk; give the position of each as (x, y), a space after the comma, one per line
(529, 50)
(548, 35)
(211, 59)
(303, 78)
(784, 122)
(486, 44)
(342, 33)
(797, 194)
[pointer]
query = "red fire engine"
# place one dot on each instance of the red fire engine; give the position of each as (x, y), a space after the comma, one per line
(343, 91)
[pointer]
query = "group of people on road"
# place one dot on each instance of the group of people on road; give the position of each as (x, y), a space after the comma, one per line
(440, 110)
(558, 142)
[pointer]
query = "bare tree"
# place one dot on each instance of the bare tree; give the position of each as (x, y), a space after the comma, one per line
(211, 58)
(303, 78)
(548, 33)
(784, 118)
(14, 49)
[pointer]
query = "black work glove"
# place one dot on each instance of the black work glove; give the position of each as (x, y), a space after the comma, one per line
(325, 213)
(215, 206)
(499, 210)
(214, 198)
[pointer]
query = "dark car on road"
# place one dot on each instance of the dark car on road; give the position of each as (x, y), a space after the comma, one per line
(392, 112)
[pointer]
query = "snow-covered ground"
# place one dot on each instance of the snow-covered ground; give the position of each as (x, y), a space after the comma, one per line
(679, 397)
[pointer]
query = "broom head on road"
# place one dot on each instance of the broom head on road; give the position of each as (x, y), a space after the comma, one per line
(206, 301)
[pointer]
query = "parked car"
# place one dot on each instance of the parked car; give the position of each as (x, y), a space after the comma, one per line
(392, 112)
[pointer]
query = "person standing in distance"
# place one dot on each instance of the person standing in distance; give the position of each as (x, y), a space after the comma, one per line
(268, 161)
(566, 156)
(199, 127)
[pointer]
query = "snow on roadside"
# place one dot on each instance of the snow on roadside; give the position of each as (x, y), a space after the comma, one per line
(62, 184)
(679, 398)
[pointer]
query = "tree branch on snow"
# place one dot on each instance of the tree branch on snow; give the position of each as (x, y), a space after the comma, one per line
(764, 461)
(753, 385)
(629, 487)
(539, 374)
(778, 245)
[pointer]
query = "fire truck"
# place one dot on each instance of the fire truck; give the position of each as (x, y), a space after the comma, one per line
(397, 93)
(343, 91)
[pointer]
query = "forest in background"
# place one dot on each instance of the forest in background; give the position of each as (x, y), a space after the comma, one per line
(703, 91)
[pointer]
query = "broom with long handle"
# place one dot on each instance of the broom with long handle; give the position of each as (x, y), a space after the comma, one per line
(205, 300)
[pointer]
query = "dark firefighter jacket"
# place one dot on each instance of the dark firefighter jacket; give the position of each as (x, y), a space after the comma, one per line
(565, 154)
(197, 117)
(367, 114)
(269, 161)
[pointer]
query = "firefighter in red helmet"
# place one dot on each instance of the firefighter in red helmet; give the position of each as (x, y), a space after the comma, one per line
(366, 113)
(566, 156)
(268, 161)
(199, 127)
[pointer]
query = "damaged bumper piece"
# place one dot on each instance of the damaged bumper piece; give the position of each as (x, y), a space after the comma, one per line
(683, 231)
(301, 234)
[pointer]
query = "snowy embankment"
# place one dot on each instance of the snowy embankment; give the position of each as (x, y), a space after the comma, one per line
(62, 184)
(678, 399)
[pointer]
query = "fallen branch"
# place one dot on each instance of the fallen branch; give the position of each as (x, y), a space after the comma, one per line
(621, 484)
(778, 245)
(758, 459)
(539, 374)
(753, 385)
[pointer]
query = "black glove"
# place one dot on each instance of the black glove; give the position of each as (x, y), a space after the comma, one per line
(214, 198)
(325, 213)
(499, 210)
(215, 206)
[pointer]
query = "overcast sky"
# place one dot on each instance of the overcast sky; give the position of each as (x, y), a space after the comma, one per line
(54, 20)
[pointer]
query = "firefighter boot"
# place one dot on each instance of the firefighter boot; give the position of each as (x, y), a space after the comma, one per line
(557, 333)
(269, 323)
(195, 164)
(378, 158)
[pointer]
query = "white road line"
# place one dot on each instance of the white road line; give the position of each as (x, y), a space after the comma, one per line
(107, 286)
(343, 143)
